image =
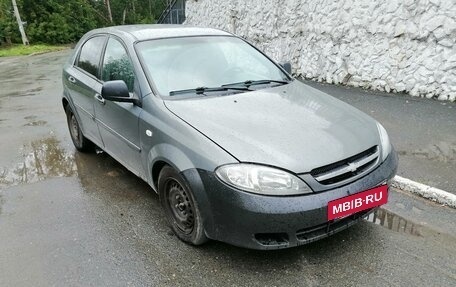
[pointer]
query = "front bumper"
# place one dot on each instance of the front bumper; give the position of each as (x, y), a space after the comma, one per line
(271, 222)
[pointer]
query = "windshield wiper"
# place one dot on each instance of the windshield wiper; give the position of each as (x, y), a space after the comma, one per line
(257, 82)
(202, 90)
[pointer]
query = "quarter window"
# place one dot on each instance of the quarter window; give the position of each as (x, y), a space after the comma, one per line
(89, 58)
(117, 64)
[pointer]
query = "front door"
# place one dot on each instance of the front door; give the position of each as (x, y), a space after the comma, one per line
(119, 122)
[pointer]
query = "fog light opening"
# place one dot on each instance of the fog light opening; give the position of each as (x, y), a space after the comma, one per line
(272, 239)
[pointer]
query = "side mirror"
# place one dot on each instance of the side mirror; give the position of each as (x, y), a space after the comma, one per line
(117, 91)
(287, 67)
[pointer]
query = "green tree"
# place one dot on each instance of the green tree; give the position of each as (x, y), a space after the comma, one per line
(136, 11)
(8, 26)
(58, 21)
(63, 21)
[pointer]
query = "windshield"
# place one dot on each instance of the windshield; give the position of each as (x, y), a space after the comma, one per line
(187, 63)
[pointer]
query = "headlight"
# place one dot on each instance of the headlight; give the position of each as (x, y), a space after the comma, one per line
(386, 145)
(262, 179)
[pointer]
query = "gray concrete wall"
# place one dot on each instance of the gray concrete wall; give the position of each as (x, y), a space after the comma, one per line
(390, 45)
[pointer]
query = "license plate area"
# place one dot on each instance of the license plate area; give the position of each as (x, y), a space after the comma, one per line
(360, 201)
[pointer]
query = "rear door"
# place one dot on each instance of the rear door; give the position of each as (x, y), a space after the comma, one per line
(119, 122)
(81, 80)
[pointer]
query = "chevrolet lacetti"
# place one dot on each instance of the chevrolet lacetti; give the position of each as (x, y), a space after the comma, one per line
(237, 149)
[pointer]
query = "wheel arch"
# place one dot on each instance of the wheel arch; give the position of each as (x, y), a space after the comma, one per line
(155, 172)
(166, 154)
(65, 103)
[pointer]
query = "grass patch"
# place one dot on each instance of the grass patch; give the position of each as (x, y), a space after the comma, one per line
(21, 50)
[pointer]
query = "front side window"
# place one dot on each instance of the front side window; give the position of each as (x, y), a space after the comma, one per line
(208, 61)
(89, 58)
(117, 64)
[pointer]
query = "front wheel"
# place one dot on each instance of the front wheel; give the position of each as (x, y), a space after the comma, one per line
(180, 207)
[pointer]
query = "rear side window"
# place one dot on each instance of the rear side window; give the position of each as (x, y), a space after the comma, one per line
(89, 58)
(117, 64)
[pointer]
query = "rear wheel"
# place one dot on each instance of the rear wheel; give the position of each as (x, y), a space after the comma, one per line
(180, 207)
(79, 140)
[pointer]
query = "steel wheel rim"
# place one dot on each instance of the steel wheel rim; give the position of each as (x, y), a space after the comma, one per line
(74, 128)
(181, 206)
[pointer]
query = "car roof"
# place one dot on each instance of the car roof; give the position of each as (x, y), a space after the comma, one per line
(155, 31)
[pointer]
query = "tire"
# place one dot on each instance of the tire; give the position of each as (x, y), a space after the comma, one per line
(81, 143)
(180, 207)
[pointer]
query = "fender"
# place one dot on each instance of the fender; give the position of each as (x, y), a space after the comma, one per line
(169, 154)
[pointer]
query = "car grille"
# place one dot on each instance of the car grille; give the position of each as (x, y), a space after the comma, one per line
(347, 168)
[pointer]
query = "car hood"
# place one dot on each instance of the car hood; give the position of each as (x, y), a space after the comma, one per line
(294, 126)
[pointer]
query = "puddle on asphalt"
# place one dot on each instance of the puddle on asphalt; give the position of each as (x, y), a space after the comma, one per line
(30, 92)
(42, 159)
(393, 222)
(442, 151)
(41, 77)
(35, 123)
(45, 158)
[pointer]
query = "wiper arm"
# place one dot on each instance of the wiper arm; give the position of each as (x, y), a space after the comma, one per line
(202, 90)
(241, 86)
(257, 82)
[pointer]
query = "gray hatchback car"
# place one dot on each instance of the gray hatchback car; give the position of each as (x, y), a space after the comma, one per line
(237, 149)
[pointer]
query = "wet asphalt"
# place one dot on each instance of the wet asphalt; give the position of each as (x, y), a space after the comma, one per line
(72, 219)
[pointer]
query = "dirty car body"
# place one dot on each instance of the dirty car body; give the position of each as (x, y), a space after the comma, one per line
(237, 149)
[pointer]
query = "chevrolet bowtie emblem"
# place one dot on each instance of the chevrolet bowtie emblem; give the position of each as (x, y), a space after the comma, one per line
(352, 167)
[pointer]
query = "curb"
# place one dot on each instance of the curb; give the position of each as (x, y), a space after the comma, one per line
(428, 192)
(45, 52)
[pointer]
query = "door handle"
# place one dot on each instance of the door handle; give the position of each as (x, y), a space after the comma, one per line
(99, 98)
(71, 79)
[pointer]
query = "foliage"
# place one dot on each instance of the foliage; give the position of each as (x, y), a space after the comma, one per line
(120, 69)
(19, 50)
(8, 25)
(58, 21)
(63, 21)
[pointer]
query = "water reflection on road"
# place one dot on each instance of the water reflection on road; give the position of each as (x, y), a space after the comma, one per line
(393, 222)
(41, 159)
(46, 158)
